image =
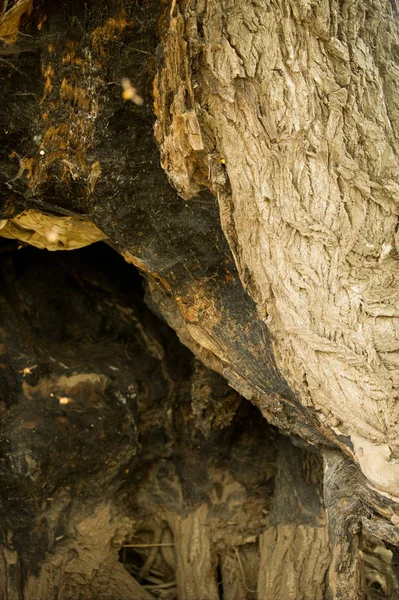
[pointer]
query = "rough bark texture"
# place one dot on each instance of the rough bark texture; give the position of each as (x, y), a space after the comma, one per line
(297, 104)
(275, 261)
(294, 551)
(346, 577)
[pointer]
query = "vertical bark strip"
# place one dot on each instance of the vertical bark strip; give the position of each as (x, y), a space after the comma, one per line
(293, 561)
(294, 552)
(344, 511)
(196, 574)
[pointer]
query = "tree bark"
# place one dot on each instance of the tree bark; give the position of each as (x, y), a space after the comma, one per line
(294, 551)
(273, 257)
(302, 155)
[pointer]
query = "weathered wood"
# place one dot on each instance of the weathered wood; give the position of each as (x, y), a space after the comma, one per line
(294, 552)
(112, 178)
(308, 203)
(10, 577)
(196, 575)
(344, 513)
(87, 153)
(240, 570)
(294, 561)
(264, 114)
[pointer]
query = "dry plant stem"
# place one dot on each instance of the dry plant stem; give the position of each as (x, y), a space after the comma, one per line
(237, 553)
(153, 553)
(161, 586)
(146, 545)
(168, 549)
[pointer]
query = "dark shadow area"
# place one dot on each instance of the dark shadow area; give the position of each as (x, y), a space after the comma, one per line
(101, 405)
(103, 409)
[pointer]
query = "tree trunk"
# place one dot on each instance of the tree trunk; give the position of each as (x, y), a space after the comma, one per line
(295, 104)
(267, 240)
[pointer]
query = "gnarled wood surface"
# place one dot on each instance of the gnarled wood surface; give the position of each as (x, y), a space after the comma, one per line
(297, 103)
(275, 255)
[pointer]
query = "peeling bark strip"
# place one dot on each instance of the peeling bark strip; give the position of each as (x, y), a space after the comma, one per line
(11, 18)
(298, 109)
(344, 511)
(51, 233)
